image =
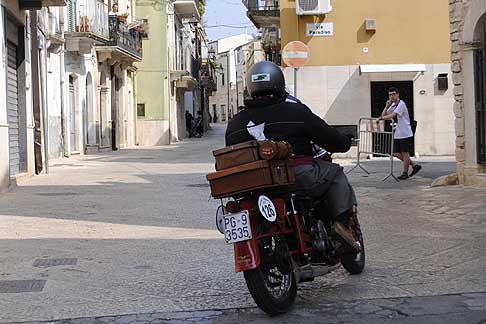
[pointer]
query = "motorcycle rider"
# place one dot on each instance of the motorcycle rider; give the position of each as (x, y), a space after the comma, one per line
(287, 119)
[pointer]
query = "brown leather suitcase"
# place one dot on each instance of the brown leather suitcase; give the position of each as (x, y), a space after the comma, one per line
(250, 177)
(235, 155)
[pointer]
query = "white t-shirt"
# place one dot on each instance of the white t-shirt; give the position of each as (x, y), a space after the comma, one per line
(404, 129)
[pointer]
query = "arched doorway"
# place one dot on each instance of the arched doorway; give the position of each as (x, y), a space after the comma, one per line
(73, 129)
(480, 88)
(105, 140)
(90, 114)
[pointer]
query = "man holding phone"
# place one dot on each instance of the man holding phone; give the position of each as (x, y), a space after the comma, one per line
(397, 109)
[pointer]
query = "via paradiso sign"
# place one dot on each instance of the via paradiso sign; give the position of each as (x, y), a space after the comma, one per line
(320, 29)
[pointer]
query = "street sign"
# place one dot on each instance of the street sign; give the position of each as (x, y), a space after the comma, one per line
(296, 54)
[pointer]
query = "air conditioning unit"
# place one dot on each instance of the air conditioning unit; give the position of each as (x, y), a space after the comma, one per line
(313, 7)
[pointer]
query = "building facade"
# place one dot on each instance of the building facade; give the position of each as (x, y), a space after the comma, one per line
(224, 101)
(28, 52)
(357, 52)
(67, 79)
(169, 82)
(246, 56)
(468, 35)
(101, 49)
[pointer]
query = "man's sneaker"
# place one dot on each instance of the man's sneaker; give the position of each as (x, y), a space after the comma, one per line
(415, 169)
(404, 176)
(347, 235)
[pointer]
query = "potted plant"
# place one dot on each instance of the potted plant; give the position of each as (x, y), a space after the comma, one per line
(123, 17)
(83, 25)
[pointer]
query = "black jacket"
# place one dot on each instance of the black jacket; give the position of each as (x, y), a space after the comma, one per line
(286, 121)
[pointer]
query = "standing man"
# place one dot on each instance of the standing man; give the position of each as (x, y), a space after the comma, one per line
(397, 109)
(189, 122)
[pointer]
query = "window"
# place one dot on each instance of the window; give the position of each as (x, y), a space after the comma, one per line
(223, 113)
(145, 28)
(140, 110)
(222, 79)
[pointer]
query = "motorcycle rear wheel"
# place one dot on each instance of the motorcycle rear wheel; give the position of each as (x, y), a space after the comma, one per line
(260, 282)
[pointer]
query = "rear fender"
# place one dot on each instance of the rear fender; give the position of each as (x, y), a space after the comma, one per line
(247, 255)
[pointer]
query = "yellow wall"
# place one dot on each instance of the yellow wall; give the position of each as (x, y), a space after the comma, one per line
(408, 31)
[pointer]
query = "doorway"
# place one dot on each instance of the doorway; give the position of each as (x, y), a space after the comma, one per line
(73, 147)
(131, 121)
(115, 103)
(379, 97)
(480, 88)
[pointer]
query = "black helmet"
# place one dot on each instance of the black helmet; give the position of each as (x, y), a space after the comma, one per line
(265, 78)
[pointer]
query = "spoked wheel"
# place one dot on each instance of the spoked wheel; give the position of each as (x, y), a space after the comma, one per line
(273, 285)
(354, 262)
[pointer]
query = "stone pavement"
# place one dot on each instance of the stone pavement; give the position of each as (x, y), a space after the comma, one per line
(132, 232)
(450, 309)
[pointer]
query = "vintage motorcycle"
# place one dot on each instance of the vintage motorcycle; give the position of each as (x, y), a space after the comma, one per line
(280, 239)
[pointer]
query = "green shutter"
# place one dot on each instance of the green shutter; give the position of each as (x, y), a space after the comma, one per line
(72, 16)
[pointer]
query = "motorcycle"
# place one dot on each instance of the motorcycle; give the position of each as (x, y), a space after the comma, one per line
(281, 240)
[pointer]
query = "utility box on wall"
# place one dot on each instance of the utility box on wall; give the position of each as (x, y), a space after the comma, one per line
(443, 81)
(313, 7)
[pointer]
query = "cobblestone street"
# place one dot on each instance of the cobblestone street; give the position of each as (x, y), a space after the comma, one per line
(129, 237)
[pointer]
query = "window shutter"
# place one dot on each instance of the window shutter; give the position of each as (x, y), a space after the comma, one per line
(72, 16)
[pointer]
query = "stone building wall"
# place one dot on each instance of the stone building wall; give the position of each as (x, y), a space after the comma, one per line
(465, 15)
(458, 9)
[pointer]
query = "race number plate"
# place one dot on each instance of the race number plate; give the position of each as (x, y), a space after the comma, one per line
(237, 227)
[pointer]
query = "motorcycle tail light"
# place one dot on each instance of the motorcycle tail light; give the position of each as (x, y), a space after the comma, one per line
(232, 207)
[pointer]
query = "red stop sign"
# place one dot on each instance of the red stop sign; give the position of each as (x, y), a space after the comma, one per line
(296, 54)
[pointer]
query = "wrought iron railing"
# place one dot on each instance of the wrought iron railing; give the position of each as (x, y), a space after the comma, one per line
(126, 38)
(262, 5)
(207, 73)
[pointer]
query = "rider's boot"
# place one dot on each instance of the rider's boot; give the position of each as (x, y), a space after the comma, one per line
(343, 229)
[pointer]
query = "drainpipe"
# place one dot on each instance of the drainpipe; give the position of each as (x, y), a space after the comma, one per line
(45, 110)
(62, 72)
(228, 82)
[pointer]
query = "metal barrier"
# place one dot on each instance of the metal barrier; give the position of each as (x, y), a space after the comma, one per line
(376, 137)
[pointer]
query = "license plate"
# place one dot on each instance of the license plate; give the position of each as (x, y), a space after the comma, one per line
(237, 227)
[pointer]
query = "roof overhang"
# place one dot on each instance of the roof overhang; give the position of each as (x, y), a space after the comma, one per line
(391, 68)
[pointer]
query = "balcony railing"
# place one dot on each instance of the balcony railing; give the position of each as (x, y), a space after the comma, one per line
(90, 16)
(126, 38)
(263, 13)
(262, 5)
(207, 78)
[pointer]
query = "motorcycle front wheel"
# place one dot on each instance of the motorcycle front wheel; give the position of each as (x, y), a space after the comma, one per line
(271, 290)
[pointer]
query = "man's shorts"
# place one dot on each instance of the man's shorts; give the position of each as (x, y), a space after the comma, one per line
(402, 145)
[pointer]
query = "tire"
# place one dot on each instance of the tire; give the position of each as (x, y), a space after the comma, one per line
(270, 304)
(354, 263)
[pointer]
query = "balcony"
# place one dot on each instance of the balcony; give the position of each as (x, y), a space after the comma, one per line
(271, 39)
(37, 4)
(207, 73)
(263, 13)
(87, 26)
(188, 77)
(187, 9)
(125, 42)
